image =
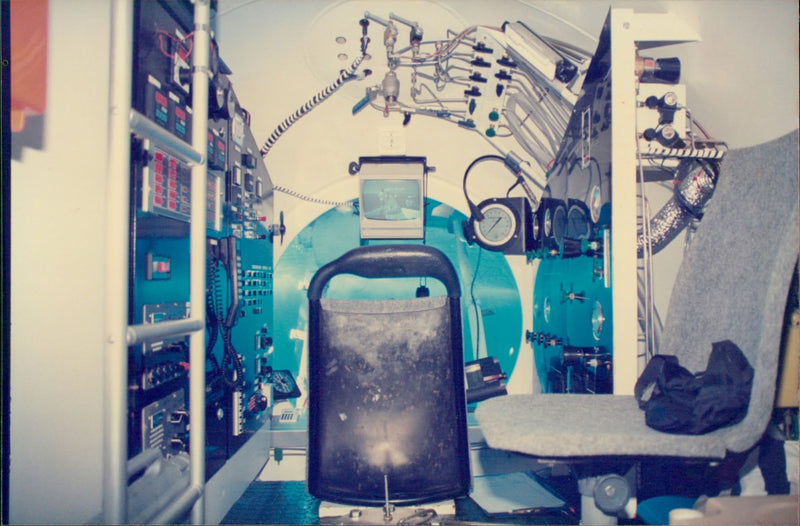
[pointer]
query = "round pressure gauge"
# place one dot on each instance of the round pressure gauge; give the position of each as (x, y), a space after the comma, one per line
(284, 384)
(230, 103)
(559, 224)
(595, 203)
(498, 227)
(217, 97)
(547, 223)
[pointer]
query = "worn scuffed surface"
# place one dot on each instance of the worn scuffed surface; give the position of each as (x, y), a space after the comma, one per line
(386, 398)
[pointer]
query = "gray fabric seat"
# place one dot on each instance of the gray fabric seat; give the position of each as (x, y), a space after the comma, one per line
(732, 284)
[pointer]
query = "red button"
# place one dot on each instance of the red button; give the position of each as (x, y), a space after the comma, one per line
(172, 205)
(158, 201)
(158, 189)
(172, 194)
(159, 178)
(158, 156)
(173, 184)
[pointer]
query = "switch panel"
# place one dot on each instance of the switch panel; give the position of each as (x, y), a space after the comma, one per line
(166, 186)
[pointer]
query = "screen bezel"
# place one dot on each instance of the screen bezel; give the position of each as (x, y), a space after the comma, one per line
(413, 169)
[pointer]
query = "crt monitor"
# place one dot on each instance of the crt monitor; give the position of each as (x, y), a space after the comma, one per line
(392, 197)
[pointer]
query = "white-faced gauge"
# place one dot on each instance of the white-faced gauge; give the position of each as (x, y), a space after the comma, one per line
(547, 223)
(217, 97)
(499, 225)
(230, 103)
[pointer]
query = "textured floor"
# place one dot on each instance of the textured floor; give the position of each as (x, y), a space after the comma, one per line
(287, 502)
(274, 503)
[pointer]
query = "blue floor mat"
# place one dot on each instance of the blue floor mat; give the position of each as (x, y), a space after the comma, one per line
(274, 503)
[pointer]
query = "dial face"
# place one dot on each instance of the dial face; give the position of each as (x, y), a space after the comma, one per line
(559, 224)
(498, 226)
(219, 97)
(548, 222)
(283, 382)
(595, 203)
(230, 103)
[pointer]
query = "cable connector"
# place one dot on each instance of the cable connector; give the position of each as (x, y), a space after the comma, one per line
(513, 162)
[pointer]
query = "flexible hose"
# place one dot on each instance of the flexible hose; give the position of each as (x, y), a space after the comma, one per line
(691, 195)
(344, 75)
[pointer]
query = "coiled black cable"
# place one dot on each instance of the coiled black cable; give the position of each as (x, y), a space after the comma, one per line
(231, 357)
(344, 75)
(473, 208)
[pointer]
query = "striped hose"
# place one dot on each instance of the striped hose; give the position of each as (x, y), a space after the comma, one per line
(345, 75)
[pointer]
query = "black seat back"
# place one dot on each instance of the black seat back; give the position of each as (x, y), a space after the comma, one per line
(387, 407)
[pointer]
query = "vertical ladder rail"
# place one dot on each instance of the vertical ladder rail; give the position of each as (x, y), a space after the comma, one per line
(115, 401)
(116, 330)
(197, 277)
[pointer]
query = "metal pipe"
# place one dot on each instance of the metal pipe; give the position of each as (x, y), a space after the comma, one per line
(197, 276)
(402, 20)
(376, 18)
(115, 352)
(175, 147)
(178, 506)
(142, 461)
(149, 332)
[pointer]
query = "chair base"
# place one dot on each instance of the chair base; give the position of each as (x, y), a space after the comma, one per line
(353, 514)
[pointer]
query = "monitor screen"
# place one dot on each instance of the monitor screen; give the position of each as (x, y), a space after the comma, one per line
(392, 200)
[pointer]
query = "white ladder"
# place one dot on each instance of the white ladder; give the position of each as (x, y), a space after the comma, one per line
(118, 335)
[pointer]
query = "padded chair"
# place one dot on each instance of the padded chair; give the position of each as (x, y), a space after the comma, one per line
(732, 284)
(387, 413)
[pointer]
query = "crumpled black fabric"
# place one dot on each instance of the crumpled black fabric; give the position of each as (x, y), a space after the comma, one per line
(677, 401)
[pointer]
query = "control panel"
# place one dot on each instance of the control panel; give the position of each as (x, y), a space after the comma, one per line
(572, 311)
(238, 204)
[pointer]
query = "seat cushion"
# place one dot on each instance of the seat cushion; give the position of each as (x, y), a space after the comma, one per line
(578, 425)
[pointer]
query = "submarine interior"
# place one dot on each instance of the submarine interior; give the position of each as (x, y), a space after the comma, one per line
(400, 261)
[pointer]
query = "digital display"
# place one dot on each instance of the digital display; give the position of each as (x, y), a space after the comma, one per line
(391, 199)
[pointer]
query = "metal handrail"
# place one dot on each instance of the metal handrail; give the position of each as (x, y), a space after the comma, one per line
(143, 461)
(117, 232)
(118, 335)
(197, 261)
(148, 332)
(179, 506)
